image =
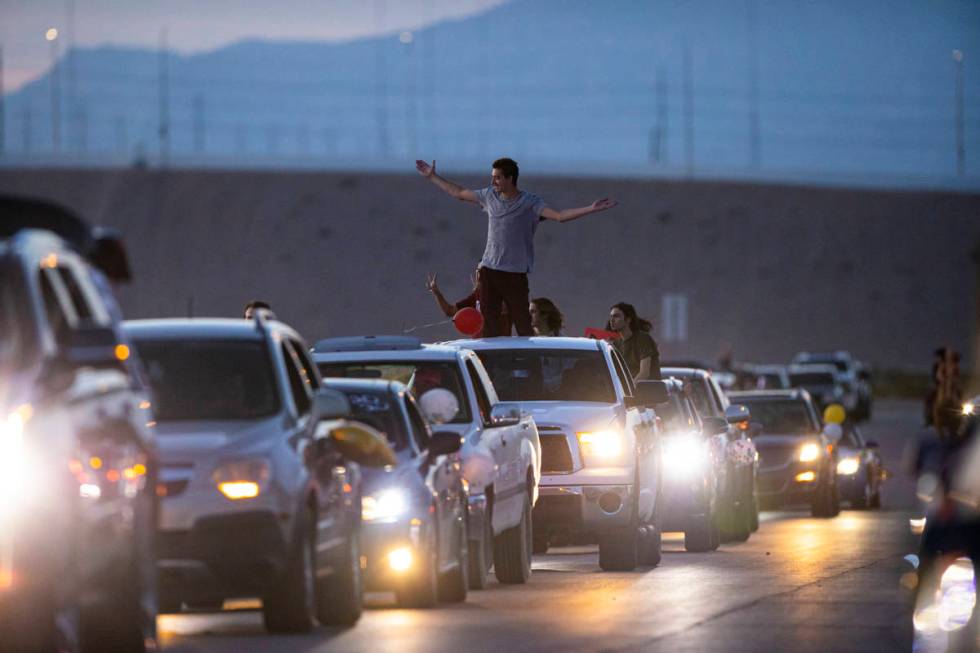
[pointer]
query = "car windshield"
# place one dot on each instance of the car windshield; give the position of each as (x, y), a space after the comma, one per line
(418, 376)
(697, 390)
(549, 375)
(808, 379)
(209, 379)
(780, 416)
(379, 410)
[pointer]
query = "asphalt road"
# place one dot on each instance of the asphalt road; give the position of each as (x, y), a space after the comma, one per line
(799, 584)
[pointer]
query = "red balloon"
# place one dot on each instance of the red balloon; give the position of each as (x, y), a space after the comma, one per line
(468, 321)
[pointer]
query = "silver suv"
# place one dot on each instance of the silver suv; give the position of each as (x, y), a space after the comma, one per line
(259, 498)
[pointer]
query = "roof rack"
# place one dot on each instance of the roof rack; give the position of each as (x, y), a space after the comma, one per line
(368, 343)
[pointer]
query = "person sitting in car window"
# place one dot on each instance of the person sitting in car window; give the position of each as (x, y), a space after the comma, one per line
(635, 344)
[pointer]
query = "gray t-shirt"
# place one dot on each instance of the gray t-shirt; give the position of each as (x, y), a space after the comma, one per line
(510, 229)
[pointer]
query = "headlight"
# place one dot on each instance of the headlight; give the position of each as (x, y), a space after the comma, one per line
(12, 453)
(848, 466)
(683, 456)
(383, 505)
(242, 479)
(600, 444)
(809, 452)
(969, 408)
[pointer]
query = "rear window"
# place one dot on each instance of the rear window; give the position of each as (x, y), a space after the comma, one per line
(807, 379)
(549, 375)
(379, 410)
(210, 379)
(418, 376)
(780, 416)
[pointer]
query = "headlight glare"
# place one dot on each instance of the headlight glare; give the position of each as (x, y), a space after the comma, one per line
(242, 479)
(848, 466)
(12, 454)
(387, 504)
(601, 444)
(809, 452)
(683, 456)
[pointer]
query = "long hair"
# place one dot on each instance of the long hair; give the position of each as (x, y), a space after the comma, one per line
(552, 316)
(635, 322)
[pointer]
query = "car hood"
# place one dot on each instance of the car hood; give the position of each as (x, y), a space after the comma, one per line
(403, 475)
(573, 414)
(192, 440)
(776, 440)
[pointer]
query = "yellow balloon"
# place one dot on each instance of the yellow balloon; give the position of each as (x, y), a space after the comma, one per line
(834, 414)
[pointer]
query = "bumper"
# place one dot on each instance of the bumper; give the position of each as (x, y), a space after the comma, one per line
(589, 509)
(782, 487)
(378, 541)
(851, 486)
(222, 556)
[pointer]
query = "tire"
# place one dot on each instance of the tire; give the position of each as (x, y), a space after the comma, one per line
(454, 584)
(512, 550)
(865, 499)
(340, 596)
(738, 525)
(651, 546)
(420, 589)
(481, 554)
(822, 504)
(699, 536)
(288, 607)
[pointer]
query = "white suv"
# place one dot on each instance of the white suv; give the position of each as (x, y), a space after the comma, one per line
(501, 454)
(601, 448)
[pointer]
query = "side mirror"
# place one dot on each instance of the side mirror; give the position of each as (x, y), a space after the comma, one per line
(872, 444)
(355, 441)
(650, 393)
(439, 405)
(505, 414)
(94, 346)
(445, 442)
(714, 425)
(330, 405)
(737, 413)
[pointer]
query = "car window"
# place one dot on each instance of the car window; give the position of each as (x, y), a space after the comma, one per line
(379, 410)
(697, 391)
(299, 386)
(781, 416)
(420, 431)
(209, 379)
(57, 309)
(84, 298)
(549, 374)
(482, 401)
(625, 380)
(306, 365)
(676, 416)
(16, 335)
(719, 398)
(418, 376)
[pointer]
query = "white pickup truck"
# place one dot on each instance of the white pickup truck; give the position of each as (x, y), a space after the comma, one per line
(501, 456)
(601, 446)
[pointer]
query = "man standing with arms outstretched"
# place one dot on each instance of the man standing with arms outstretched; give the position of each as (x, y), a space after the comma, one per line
(513, 217)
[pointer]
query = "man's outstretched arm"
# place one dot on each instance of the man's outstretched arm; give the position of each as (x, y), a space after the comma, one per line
(449, 187)
(573, 214)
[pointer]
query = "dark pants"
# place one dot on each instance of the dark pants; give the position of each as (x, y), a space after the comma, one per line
(499, 288)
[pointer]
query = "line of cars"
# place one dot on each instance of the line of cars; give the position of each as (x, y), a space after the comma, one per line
(175, 464)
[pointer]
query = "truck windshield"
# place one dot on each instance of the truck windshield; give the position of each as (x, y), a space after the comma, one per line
(209, 379)
(549, 375)
(418, 376)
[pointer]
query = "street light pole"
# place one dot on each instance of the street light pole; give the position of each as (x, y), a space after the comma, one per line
(52, 37)
(960, 135)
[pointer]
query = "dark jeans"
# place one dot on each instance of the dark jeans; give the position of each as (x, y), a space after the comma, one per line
(499, 288)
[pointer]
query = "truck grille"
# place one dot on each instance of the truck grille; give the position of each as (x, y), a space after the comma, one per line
(556, 458)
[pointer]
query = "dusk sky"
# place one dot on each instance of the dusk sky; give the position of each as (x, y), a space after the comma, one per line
(199, 25)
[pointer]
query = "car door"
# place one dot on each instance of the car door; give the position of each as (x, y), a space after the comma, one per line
(442, 477)
(641, 422)
(503, 442)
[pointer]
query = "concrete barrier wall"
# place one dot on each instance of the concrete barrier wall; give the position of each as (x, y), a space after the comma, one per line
(767, 270)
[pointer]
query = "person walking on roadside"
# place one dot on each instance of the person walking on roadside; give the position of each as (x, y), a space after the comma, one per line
(546, 319)
(470, 301)
(513, 217)
(637, 347)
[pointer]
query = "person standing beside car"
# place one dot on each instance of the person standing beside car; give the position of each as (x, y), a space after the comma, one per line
(637, 347)
(513, 217)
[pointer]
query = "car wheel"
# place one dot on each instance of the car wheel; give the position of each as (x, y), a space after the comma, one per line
(699, 536)
(288, 606)
(512, 549)
(822, 504)
(454, 584)
(651, 546)
(340, 596)
(481, 554)
(834, 498)
(419, 589)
